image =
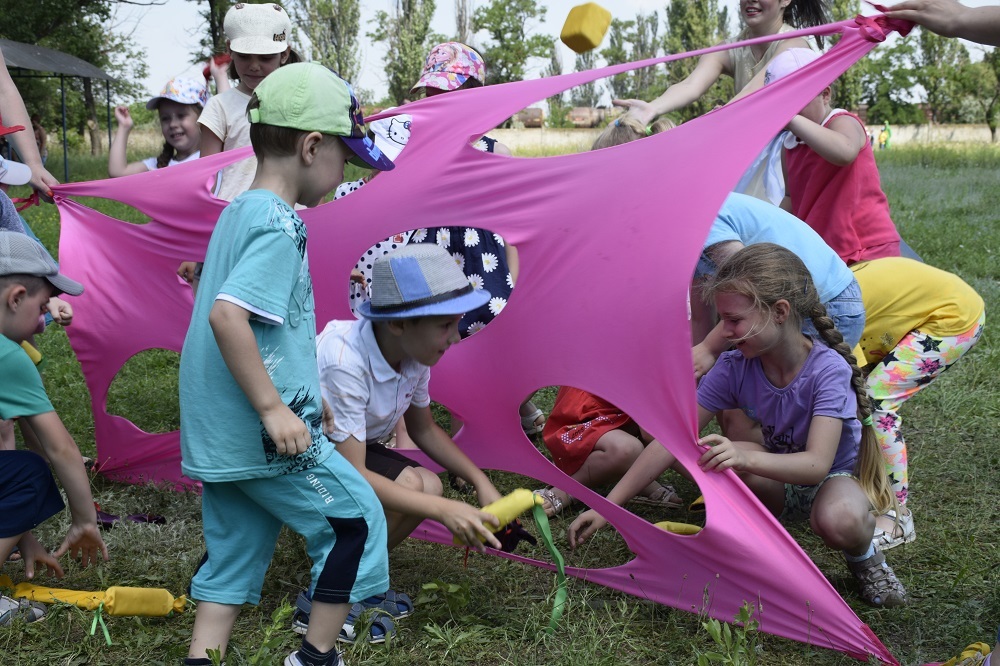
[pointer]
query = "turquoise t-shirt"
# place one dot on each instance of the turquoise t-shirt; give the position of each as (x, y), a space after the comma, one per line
(749, 220)
(257, 260)
(21, 391)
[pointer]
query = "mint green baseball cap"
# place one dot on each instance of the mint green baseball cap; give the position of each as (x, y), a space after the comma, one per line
(309, 97)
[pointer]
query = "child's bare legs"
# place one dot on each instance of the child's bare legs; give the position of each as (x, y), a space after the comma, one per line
(613, 455)
(771, 493)
(421, 480)
(841, 517)
(7, 441)
(325, 621)
(213, 623)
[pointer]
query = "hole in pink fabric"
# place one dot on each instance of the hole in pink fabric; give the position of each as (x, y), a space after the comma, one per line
(145, 391)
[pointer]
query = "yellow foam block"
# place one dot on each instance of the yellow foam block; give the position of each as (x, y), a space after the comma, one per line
(585, 27)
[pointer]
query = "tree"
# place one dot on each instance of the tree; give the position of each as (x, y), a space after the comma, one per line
(408, 37)
(509, 24)
(937, 64)
(691, 25)
(632, 40)
(981, 82)
(888, 84)
(463, 22)
(331, 27)
(214, 41)
(849, 88)
(558, 109)
(618, 51)
(589, 94)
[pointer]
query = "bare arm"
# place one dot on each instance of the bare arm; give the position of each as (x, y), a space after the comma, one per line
(210, 143)
(118, 164)
(83, 540)
(436, 443)
(705, 353)
(806, 468)
(952, 19)
(220, 76)
(13, 112)
(231, 325)
(710, 67)
(462, 520)
(838, 143)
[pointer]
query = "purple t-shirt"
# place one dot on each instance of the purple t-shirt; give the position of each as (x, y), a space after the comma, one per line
(822, 388)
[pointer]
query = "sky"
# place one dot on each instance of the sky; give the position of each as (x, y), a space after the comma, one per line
(170, 32)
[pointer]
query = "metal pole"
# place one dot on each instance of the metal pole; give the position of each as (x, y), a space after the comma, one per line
(107, 91)
(62, 88)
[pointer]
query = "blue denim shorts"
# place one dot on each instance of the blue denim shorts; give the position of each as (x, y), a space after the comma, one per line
(847, 311)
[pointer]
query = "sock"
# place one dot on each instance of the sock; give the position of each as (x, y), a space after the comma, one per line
(310, 656)
(858, 558)
(197, 661)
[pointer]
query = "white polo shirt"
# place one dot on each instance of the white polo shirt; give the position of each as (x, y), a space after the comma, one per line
(366, 395)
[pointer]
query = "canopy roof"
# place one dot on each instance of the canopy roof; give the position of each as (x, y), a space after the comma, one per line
(41, 59)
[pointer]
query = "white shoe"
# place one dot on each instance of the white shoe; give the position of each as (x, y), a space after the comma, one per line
(902, 532)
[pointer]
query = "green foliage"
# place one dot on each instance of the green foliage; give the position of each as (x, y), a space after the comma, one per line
(509, 24)
(937, 64)
(588, 94)
(451, 597)
(558, 115)
(735, 645)
(331, 29)
(887, 85)
(274, 646)
(980, 81)
(848, 91)
(213, 39)
(408, 37)
(629, 41)
(691, 25)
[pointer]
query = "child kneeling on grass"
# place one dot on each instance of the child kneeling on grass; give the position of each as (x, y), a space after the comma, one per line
(251, 410)
(28, 493)
(376, 370)
(818, 458)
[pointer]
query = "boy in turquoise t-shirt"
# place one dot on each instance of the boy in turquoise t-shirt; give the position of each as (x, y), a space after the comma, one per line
(251, 411)
(28, 493)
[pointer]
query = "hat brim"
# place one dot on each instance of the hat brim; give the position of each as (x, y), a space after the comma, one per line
(367, 154)
(4, 130)
(64, 284)
(14, 173)
(454, 306)
(257, 46)
(432, 80)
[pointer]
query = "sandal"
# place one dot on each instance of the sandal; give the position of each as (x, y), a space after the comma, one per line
(381, 628)
(529, 423)
(555, 504)
(903, 527)
(664, 497)
(397, 604)
(10, 609)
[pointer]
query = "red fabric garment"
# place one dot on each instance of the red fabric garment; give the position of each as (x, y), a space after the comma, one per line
(845, 205)
(577, 421)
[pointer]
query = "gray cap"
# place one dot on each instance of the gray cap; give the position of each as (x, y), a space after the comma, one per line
(20, 255)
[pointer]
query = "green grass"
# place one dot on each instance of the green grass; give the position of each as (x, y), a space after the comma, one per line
(945, 202)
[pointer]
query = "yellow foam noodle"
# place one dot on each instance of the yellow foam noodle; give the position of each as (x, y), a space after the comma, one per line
(32, 352)
(508, 508)
(678, 528)
(973, 650)
(147, 602)
(585, 27)
(51, 595)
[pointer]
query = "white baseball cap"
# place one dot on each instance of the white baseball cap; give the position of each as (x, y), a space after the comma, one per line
(14, 173)
(257, 29)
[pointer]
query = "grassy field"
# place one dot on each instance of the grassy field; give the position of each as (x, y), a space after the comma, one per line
(946, 203)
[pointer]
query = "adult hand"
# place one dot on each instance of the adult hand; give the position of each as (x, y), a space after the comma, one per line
(584, 527)
(721, 455)
(124, 118)
(289, 433)
(43, 182)
(34, 553)
(61, 311)
(638, 109)
(83, 542)
(466, 523)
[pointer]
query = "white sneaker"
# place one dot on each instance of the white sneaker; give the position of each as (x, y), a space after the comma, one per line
(293, 659)
(902, 532)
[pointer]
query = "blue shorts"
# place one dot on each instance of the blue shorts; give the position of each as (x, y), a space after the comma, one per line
(28, 493)
(331, 505)
(848, 313)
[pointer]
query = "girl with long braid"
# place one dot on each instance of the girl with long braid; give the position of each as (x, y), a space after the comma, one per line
(818, 457)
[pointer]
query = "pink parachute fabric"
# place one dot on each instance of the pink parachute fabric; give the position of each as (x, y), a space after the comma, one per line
(608, 242)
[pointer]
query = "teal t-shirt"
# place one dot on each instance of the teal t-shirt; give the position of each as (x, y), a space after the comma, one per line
(749, 220)
(257, 260)
(21, 390)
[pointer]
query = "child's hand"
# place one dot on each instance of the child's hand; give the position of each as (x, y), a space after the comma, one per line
(33, 553)
(584, 527)
(357, 277)
(289, 433)
(186, 271)
(703, 360)
(465, 522)
(328, 421)
(721, 455)
(61, 311)
(83, 542)
(123, 117)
